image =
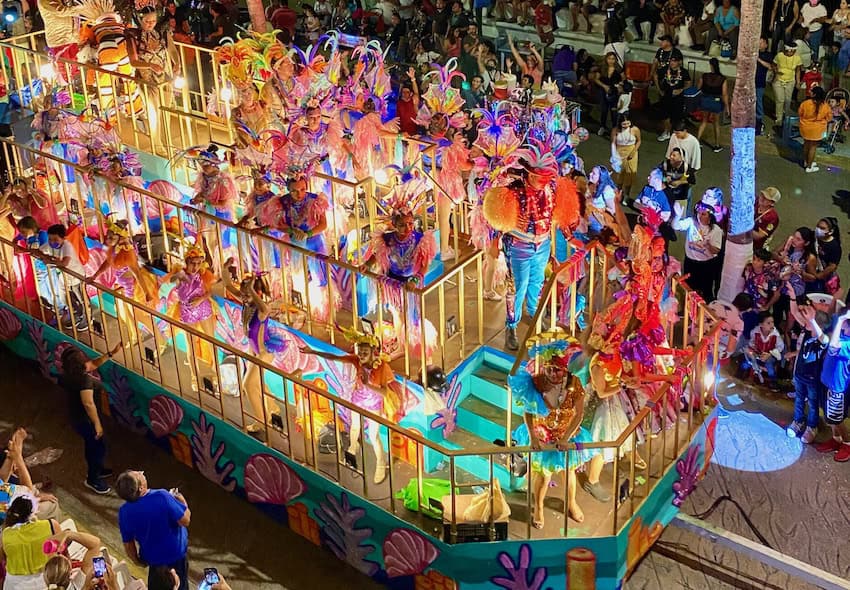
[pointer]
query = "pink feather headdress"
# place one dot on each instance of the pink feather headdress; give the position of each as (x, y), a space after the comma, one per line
(441, 98)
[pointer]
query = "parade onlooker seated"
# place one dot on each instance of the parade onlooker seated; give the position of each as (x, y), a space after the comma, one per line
(808, 364)
(22, 547)
(764, 350)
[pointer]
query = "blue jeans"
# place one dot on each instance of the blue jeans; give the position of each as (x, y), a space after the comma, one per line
(814, 42)
(526, 273)
(806, 392)
(759, 104)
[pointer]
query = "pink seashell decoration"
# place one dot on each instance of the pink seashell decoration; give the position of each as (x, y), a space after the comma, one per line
(269, 480)
(407, 553)
(10, 325)
(165, 414)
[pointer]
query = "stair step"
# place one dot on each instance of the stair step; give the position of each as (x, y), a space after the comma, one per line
(489, 411)
(492, 374)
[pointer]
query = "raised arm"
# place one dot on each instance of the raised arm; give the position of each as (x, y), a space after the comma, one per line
(517, 57)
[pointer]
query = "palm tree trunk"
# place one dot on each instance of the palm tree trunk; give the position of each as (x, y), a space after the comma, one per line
(739, 243)
(258, 15)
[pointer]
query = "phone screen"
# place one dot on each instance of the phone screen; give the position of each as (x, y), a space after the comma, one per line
(211, 575)
(99, 567)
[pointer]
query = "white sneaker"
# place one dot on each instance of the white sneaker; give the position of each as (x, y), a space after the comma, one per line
(811, 169)
(664, 136)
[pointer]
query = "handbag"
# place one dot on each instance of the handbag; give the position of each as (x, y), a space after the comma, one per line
(715, 49)
(725, 49)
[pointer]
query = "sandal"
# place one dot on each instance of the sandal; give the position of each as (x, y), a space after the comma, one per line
(576, 514)
(640, 463)
(536, 522)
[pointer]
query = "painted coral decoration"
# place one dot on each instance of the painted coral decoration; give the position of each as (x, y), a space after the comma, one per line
(10, 325)
(269, 480)
(407, 553)
(688, 471)
(206, 459)
(518, 573)
(165, 415)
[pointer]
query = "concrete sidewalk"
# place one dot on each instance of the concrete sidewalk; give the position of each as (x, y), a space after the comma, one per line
(248, 548)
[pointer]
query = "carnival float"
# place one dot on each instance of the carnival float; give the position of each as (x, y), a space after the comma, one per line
(452, 365)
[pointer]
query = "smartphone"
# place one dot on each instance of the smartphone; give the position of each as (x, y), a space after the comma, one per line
(98, 566)
(211, 575)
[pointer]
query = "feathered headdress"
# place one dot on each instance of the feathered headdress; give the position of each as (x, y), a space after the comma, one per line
(251, 59)
(496, 135)
(142, 5)
(441, 98)
(406, 196)
(552, 344)
(97, 11)
(538, 159)
(201, 154)
(370, 79)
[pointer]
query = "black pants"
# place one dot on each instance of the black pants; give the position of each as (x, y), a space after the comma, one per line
(180, 567)
(646, 15)
(702, 276)
(95, 450)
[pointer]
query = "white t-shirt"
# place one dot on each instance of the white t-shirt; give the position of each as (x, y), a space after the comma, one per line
(808, 13)
(74, 265)
(623, 102)
(694, 249)
(691, 150)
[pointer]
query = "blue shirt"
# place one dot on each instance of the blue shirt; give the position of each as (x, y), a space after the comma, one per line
(844, 56)
(151, 521)
(653, 199)
(836, 367)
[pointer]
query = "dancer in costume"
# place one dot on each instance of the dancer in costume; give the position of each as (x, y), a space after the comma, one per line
(525, 211)
(23, 199)
(263, 342)
(441, 112)
(249, 118)
(403, 255)
(552, 401)
(375, 390)
(216, 191)
(61, 31)
(124, 204)
(129, 278)
(192, 301)
(303, 218)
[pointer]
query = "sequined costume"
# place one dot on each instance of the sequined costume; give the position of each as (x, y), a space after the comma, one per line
(375, 389)
(261, 337)
(218, 191)
(305, 215)
(549, 424)
(190, 287)
(127, 273)
(264, 208)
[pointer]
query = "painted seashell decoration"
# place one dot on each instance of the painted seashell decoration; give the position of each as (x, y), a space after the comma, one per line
(269, 480)
(165, 415)
(407, 553)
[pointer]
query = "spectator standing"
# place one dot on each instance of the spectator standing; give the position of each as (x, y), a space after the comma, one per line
(799, 264)
(679, 177)
(407, 105)
(788, 68)
(625, 139)
(783, 19)
(153, 525)
(531, 65)
(397, 37)
(80, 388)
(674, 80)
(813, 15)
(223, 27)
(766, 217)
(764, 64)
(618, 47)
(607, 79)
(714, 102)
(703, 241)
(662, 58)
(474, 96)
(815, 115)
(828, 251)
(687, 144)
(808, 365)
(835, 376)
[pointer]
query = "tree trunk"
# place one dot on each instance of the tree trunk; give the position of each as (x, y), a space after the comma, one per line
(258, 15)
(739, 243)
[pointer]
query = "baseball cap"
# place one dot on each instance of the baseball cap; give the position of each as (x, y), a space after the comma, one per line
(771, 193)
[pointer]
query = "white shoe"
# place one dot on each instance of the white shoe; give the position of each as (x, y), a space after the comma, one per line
(380, 473)
(812, 169)
(664, 136)
(448, 254)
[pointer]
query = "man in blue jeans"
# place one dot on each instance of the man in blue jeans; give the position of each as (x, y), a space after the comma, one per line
(835, 376)
(153, 527)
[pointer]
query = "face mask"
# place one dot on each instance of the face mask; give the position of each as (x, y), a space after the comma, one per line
(821, 233)
(55, 245)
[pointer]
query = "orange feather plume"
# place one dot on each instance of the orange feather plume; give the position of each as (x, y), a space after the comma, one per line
(566, 213)
(501, 209)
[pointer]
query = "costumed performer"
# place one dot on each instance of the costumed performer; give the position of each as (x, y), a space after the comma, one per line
(129, 278)
(524, 212)
(404, 254)
(24, 200)
(216, 190)
(441, 113)
(250, 117)
(303, 218)
(191, 302)
(61, 31)
(263, 341)
(154, 56)
(262, 210)
(552, 401)
(126, 203)
(375, 390)
(51, 125)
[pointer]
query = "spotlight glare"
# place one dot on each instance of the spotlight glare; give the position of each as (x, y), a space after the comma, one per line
(180, 83)
(381, 176)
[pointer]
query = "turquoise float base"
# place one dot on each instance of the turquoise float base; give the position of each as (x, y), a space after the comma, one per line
(367, 537)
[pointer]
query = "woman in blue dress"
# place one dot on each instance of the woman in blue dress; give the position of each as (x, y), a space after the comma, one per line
(552, 400)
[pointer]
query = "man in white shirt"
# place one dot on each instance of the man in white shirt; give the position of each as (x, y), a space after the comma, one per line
(689, 145)
(60, 253)
(812, 16)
